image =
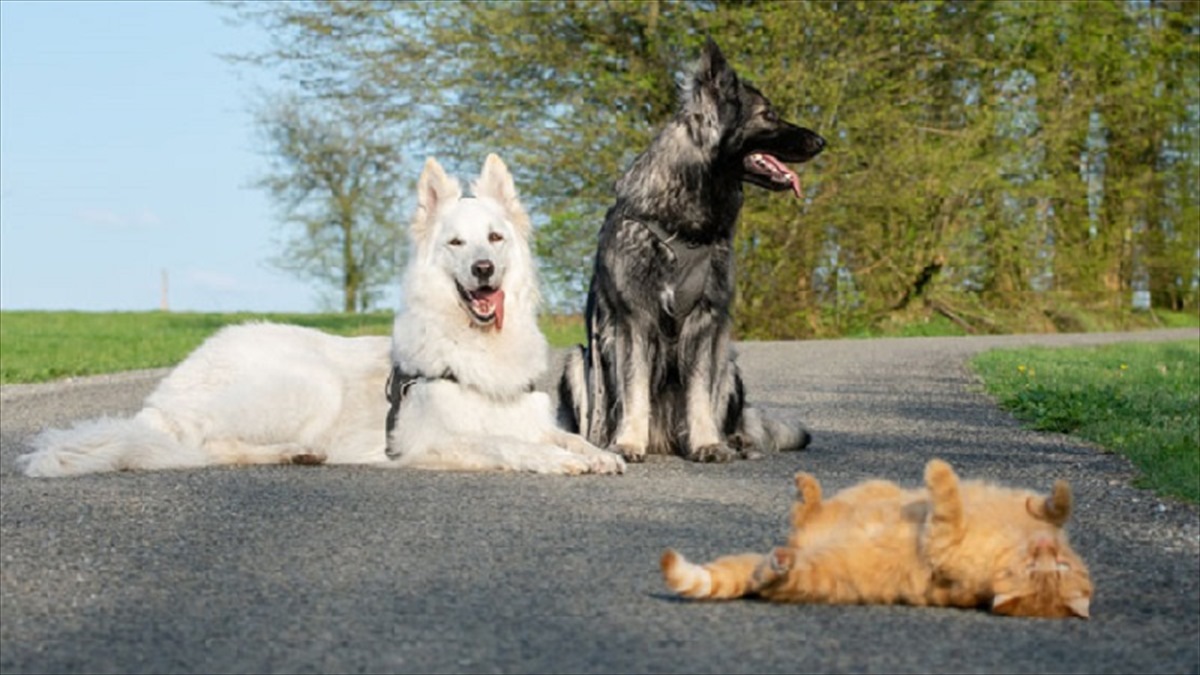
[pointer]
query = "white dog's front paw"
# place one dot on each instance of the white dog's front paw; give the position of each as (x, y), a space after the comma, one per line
(572, 465)
(606, 462)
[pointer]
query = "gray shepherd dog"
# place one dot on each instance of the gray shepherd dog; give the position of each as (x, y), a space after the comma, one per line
(658, 372)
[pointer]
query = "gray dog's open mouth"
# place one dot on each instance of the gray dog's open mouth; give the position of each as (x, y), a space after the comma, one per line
(777, 174)
(485, 304)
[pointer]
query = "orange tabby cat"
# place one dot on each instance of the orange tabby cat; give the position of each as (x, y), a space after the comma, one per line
(961, 545)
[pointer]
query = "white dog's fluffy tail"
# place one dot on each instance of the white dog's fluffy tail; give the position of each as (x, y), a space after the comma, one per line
(107, 444)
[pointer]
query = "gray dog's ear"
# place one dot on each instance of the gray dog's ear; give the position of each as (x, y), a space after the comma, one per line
(712, 61)
(434, 190)
(712, 81)
(714, 74)
(497, 183)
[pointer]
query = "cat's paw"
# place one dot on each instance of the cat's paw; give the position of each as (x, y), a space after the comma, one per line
(669, 559)
(782, 559)
(808, 489)
(714, 452)
(683, 577)
(938, 474)
(774, 566)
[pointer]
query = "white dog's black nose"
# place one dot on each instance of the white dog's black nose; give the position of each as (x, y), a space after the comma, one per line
(482, 269)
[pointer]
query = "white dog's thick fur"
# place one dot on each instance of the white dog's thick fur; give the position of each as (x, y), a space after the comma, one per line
(265, 393)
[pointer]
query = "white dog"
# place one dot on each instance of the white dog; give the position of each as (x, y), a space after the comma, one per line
(465, 352)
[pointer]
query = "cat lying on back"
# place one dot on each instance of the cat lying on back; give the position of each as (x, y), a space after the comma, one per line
(968, 544)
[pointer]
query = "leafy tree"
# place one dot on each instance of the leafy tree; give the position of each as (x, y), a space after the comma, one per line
(335, 178)
(985, 157)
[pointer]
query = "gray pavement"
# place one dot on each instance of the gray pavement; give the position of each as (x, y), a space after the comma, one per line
(343, 569)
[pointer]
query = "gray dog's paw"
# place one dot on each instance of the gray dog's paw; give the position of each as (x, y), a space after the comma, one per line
(631, 454)
(716, 452)
(745, 446)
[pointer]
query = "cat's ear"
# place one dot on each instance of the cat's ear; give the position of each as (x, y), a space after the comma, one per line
(1079, 606)
(1005, 603)
(1056, 508)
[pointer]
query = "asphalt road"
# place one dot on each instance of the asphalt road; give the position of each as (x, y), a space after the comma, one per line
(342, 569)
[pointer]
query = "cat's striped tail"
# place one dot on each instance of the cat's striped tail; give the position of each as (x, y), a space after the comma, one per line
(728, 577)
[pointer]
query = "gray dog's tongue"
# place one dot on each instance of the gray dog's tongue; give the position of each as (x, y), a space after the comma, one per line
(489, 301)
(780, 171)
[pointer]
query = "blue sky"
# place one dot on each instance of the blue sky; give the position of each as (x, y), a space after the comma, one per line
(126, 149)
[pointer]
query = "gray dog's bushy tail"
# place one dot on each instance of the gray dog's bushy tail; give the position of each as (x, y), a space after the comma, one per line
(773, 435)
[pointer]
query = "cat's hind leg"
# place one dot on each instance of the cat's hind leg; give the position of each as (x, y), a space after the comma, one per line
(808, 501)
(944, 527)
(731, 576)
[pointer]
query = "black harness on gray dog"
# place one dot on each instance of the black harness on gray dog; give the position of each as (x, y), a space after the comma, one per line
(398, 384)
(692, 265)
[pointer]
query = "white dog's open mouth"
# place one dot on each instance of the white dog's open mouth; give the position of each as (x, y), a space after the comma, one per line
(485, 305)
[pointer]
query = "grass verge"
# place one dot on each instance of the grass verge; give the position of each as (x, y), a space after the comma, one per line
(44, 346)
(1139, 400)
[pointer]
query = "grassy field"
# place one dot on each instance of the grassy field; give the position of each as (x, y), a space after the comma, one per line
(1139, 400)
(43, 346)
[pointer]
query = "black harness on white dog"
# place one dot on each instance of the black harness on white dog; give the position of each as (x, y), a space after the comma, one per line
(398, 384)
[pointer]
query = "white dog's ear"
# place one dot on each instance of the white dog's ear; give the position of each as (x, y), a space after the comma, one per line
(434, 189)
(497, 183)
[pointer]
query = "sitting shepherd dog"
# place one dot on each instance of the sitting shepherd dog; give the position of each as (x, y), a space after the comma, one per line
(658, 372)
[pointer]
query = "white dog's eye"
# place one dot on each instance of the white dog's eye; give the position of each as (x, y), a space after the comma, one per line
(495, 237)
(455, 242)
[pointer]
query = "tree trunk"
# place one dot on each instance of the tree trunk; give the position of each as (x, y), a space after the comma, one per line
(352, 276)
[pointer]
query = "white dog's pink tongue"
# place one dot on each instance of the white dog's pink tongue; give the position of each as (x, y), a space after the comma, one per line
(489, 302)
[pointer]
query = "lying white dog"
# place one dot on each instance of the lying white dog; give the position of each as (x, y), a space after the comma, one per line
(465, 352)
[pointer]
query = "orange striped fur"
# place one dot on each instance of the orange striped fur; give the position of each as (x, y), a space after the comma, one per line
(951, 543)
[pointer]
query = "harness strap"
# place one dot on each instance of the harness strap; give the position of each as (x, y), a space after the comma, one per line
(692, 265)
(398, 384)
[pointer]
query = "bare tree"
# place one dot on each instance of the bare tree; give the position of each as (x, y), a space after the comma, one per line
(334, 176)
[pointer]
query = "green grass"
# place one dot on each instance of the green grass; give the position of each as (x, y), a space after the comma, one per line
(1139, 400)
(564, 331)
(921, 321)
(44, 346)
